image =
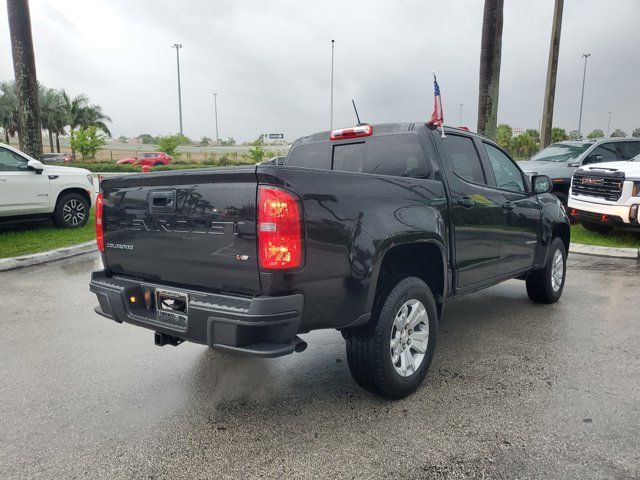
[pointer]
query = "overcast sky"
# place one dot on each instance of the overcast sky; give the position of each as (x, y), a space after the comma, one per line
(269, 61)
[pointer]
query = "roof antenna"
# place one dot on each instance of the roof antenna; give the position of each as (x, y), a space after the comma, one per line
(357, 116)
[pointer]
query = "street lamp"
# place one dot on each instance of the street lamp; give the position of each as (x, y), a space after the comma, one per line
(215, 106)
(609, 125)
(178, 46)
(584, 76)
(460, 124)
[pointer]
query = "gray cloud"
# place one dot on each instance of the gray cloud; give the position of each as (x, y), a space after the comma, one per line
(269, 61)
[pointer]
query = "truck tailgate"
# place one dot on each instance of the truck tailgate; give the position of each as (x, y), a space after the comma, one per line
(193, 228)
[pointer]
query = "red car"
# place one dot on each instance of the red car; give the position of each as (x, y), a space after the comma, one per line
(152, 159)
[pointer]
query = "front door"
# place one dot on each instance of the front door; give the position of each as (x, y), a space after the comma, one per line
(477, 215)
(521, 211)
(22, 191)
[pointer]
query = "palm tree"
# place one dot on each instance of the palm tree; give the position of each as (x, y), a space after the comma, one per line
(490, 55)
(9, 110)
(24, 66)
(53, 115)
(80, 114)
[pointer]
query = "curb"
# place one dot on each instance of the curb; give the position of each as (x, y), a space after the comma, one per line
(595, 250)
(37, 258)
(65, 252)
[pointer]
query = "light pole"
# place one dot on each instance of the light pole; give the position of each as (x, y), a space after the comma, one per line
(332, 50)
(178, 46)
(609, 125)
(215, 107)
(584, 76)
(460, 124)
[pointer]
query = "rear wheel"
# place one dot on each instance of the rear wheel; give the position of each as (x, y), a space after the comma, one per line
(391, 355)
(596, 227)
(546, 284)
(72, 211)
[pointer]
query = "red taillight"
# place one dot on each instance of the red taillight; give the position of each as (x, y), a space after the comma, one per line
(353, 132)
(279, 229)
(99, 232)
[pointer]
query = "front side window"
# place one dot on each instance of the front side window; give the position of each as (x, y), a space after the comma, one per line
(463, 157)
(10, 161)
(629, 149)
(605, 153)
(508, 175)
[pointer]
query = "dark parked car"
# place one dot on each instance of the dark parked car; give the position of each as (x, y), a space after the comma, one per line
(368, 230)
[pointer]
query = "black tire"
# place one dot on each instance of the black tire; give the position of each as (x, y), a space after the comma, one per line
(72, 211)
(369, 347)
(541, 286)
(596, 227)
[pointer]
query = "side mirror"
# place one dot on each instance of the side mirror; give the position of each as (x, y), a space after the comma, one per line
(36, 166)
(541, 184)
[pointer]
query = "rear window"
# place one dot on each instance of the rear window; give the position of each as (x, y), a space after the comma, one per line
(399, 155)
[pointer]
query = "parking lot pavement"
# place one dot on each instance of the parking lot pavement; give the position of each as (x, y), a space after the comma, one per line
(516, 390)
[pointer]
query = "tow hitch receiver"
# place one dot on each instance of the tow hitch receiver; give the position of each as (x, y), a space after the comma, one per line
(163, 339)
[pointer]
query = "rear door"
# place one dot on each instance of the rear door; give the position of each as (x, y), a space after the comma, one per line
(476, 209)
(184, 228)
(520, 209)
(22, 191)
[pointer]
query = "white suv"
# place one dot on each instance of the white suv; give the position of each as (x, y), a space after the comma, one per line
(606, 195)
(31, 190)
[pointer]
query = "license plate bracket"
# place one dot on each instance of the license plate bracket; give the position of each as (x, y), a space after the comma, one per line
(172, 304)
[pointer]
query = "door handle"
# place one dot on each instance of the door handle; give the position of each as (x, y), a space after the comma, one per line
(508, 206)
(465, 202)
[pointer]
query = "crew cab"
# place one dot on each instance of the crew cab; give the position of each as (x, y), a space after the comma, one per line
(150, 159)
(30, 190)
(606, 195)
(560, 160)
(368, 230)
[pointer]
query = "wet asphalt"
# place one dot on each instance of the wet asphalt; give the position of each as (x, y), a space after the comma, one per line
(516, 390)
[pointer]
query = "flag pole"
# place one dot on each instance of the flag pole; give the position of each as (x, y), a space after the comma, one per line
(442, 135)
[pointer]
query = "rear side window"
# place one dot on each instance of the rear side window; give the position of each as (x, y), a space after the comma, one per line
(399, 155)
(463, 157)
(310, 155)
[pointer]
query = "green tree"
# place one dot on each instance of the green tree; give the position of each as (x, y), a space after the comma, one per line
(123, 139)
(81, 114)
(229, 142)
(204, 141)
(524, 145)
(53, 115)
(169, 144)
(618, 133)
(87, 141)
(504, 134)
(147, 139)
(574, 135)
(256, 153)
(558, 135)
(9, 110)
(597, 133)
(535, 134)
(636, 133)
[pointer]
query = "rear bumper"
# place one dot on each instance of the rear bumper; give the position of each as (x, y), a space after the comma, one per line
(262, 326)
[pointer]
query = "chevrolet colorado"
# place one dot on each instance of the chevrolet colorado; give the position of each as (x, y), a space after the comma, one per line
(368, 230)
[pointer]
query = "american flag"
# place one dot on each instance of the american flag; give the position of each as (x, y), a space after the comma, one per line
(437, 118)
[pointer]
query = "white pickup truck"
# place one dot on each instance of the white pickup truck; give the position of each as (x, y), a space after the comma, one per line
(30, 190)
(606, 195)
